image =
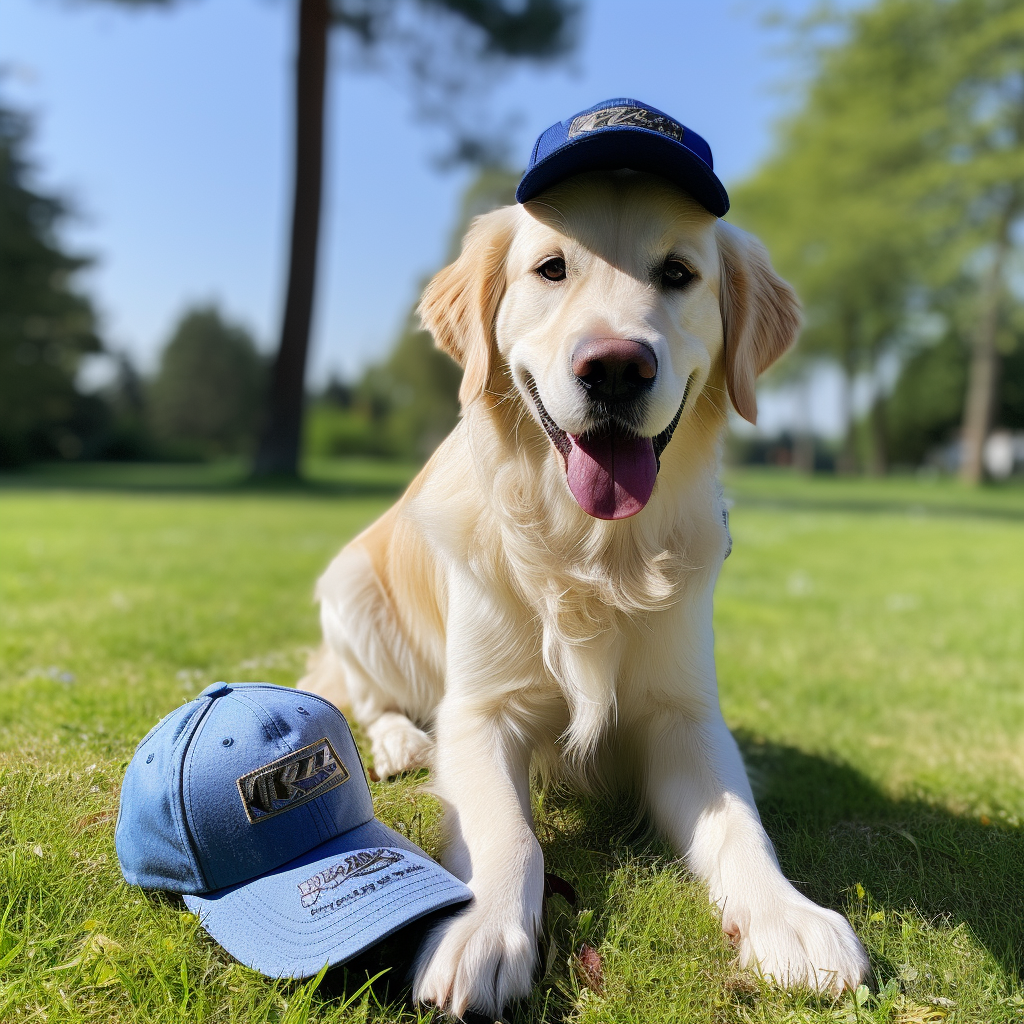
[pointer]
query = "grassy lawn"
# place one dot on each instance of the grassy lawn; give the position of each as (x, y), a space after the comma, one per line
(871, 657)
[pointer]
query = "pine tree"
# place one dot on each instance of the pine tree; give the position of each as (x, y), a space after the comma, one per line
(46, 326)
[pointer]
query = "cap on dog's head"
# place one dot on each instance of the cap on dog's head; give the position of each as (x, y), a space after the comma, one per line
(624, 133)
(608, 296)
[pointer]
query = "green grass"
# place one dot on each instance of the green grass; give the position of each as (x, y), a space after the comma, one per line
(870, 645)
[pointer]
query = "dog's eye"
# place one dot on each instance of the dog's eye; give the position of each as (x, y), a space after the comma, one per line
(552, 269)
(676, 274)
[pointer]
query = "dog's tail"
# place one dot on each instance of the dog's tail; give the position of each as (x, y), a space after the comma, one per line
(326, 677)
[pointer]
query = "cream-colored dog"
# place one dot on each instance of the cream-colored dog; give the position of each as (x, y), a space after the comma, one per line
(542, 594)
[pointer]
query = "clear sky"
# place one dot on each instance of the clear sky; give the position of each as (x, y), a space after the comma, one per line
(169, 132)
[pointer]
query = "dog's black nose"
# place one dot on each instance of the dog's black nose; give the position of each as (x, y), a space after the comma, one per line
(614, 369)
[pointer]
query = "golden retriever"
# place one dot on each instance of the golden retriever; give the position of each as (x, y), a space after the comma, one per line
(542, 594)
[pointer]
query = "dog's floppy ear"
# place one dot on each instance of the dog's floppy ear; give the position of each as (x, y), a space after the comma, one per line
(760, 314)
(461, 302)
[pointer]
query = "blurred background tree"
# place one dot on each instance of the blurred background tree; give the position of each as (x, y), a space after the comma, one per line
(404, 406)
(893, 199)
(894, 202)
(484, 31)
(46, 325)
(984, 178)
(206, 397)
(444, 45)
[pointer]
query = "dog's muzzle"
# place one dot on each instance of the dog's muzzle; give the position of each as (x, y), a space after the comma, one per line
(610, 470)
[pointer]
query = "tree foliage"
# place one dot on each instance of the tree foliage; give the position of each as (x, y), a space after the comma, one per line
(448, 51)
(405, 405)
(447, 47)
(46, 325)
(442, 43)
(897, 183)
(206, 398)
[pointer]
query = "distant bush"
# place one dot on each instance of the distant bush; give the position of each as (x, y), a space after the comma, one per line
(402, 408)
(206, 398)
(925, 410)
(126, 434)
(782, 450)
(335, 431)
(405, 406)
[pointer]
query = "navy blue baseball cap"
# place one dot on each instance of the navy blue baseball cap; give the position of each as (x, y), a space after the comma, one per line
(252, 802)
(625, 133)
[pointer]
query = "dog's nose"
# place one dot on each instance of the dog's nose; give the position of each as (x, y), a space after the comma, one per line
(614, 369)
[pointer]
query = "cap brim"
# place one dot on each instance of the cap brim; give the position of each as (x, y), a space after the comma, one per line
(637, 149)
(328, 905)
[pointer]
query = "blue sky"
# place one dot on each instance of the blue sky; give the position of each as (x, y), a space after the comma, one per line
(169, 132)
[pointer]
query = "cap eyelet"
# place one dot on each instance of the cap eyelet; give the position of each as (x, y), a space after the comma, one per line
(227, 741)
(149, 760)
(302, 711)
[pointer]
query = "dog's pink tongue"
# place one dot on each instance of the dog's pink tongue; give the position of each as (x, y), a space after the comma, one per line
(611, 477)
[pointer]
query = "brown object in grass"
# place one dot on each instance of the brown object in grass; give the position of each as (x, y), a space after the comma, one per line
(589, 968)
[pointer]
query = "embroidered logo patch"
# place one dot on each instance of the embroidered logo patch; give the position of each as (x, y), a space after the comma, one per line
(632, 117)
(291, 780)
(365, 862)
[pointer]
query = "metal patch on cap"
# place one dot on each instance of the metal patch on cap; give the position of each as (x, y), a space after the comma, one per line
(628, 117)
(291, 780)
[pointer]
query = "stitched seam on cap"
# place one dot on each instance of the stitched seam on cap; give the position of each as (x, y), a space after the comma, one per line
(323, 700)
(199, 841)
(265, 717)
(326, 832)
(435, 883)
(189, 841)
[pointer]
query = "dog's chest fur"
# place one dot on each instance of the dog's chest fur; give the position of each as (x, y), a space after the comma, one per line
(584, 614)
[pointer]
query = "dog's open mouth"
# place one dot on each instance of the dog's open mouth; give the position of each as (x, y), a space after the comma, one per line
(610, 471)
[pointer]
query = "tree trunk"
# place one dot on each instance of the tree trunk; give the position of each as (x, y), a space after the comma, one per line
(879, 463)
(803, 444)
(278, 452)
(984, 369)
(878, 441)
(847, 462)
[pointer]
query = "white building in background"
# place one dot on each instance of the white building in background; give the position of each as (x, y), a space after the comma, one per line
(1003, 454)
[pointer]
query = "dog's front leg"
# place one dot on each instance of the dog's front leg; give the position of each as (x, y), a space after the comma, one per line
(485, 955)
(700, 797)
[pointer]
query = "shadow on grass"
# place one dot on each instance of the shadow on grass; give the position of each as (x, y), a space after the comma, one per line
(392, 959)
(832, 828)
(831, 825)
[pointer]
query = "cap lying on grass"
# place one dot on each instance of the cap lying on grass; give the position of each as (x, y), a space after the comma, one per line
(252, 802)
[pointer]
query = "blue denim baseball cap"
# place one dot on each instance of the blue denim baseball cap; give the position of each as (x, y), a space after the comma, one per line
(623, 133)
(252, 802)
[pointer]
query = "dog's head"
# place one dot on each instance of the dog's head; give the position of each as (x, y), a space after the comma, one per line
(610, 299)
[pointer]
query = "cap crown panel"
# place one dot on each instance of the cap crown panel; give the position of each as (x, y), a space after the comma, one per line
(245, 803)
(151, 841)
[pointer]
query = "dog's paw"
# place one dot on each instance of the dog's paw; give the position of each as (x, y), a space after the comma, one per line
(477, 961)
(797, 944)
(397, 745)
